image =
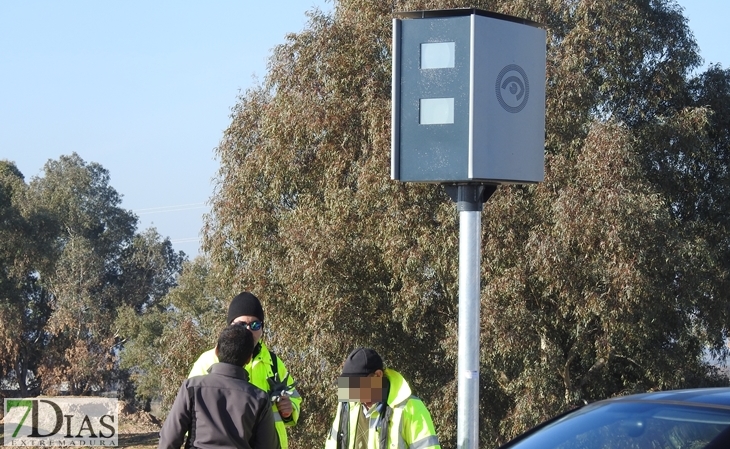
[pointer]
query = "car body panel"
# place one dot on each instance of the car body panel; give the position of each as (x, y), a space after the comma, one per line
(691, 418)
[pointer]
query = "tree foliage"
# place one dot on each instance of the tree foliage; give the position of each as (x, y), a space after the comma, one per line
(27, 236)
(607, 278)
(71, 261)
(165, 340)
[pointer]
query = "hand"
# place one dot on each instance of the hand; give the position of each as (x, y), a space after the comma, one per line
(284, 406)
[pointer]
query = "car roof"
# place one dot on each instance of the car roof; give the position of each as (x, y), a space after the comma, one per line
(716, 397)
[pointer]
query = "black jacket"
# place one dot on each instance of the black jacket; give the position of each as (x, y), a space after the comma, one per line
(220, 410)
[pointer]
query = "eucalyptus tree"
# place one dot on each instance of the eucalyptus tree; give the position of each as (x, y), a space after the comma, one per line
(70, 261)
(101, 264)
(165, 340)
(595, 283)
(10, 222)
(27, 236)
(610, 289)
(93, 229)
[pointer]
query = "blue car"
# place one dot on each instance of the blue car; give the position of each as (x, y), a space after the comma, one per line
(678, 419)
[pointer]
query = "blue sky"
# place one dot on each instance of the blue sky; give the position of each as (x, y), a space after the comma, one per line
(145, 88)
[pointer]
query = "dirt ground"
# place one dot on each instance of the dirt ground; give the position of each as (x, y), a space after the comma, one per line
(139, 440)
(137, 429)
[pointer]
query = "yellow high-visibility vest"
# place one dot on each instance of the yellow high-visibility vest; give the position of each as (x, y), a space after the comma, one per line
(409, 424)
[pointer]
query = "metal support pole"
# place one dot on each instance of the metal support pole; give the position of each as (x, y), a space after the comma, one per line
(469, 199)
(470, 220)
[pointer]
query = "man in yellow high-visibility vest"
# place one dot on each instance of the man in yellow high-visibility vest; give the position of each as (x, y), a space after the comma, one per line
(265, 370)
(377, 409)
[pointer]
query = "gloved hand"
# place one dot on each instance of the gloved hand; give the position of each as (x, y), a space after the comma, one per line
(279, 392)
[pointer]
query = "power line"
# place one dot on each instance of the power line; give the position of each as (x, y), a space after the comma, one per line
(185, 240)
(163, 209)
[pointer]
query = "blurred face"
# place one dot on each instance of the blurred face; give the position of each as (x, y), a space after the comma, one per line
(255, 325)
(367, 390)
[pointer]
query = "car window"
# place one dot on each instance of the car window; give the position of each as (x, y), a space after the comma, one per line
(631, 425)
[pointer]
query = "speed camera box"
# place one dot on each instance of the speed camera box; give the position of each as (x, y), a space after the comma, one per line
(468, 98)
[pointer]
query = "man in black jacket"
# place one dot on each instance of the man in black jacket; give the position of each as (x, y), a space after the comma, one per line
(222, 409)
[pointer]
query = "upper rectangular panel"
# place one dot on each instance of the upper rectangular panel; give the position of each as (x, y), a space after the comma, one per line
(438, 55)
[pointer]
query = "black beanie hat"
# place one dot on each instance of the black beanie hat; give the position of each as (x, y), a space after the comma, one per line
(245, 304)
(362, 362)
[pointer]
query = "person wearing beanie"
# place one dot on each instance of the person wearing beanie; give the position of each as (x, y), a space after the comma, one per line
(377, 408)
(265, 370)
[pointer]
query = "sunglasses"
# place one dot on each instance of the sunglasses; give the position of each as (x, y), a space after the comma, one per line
(253, 325)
